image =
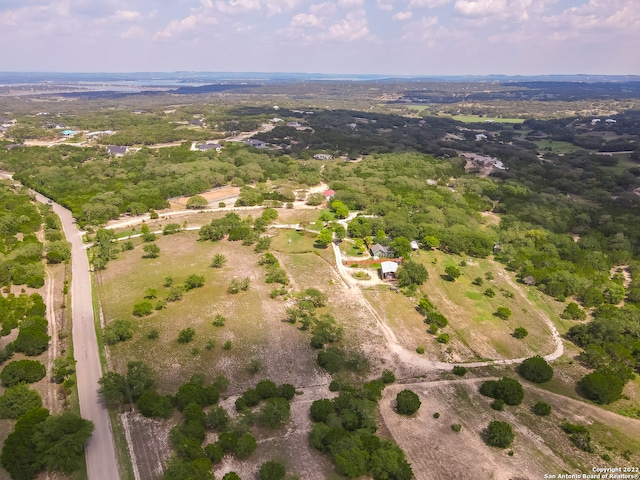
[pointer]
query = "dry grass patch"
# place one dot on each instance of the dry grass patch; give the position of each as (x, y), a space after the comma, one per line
(476, 333)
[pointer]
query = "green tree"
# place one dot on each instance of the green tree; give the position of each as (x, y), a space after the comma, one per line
(18, 456)
(412, 273)
(272, 470)
(520, 333)
(152, 404)
(573, 312)
(340, 209)
(499, 434)
(17, 400)
(536, 369)
(503, 312)
(407, 402)
(452, 272)
(59, 442)
(27, 371)
(507, 389)
(324, 237)
(431, 241)
(274, 413)
(151, 250)
(142, 309)
(402, 246)
(542, 409)
(197, 202)
(113, 387)
(602, 386)
(194, 281)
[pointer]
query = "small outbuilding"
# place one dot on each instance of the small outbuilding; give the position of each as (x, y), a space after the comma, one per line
(389, 270)
(117, 151)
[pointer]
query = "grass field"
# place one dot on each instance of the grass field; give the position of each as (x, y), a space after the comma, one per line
(479, 119)
(476, 332)
(556, 147)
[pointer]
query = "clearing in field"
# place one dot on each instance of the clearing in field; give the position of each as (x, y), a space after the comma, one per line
(540, 447)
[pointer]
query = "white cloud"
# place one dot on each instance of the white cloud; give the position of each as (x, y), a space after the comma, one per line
(353, 27)
(305, 20)
(238, 7)
(179, 27)
(401, 16)
(427, 3)
(127, 15)
(480, 8)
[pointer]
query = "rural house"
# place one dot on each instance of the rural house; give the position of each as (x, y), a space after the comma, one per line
(380, 251)
(117, 151)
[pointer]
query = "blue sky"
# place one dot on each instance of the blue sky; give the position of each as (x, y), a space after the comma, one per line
(402, 37)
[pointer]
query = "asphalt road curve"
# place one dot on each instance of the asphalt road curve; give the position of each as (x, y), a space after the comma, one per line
(100, 450)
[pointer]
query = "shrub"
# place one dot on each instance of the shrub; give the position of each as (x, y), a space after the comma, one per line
(443, 338)
(321, 409)
(194, 281)
(171, 229)
(573, 312)
(536, 369)
(499, 434)
(219, 260)
(17, 400)
(153, 334)
(272, 470)
(388, 377)
(420, 350)
(267, 389)
(118, 331)
(227, 345)
(152, 404)
(195, 393)
(498, 404)
(331, 359)
(503, 312)
(579, 435)
(27, 371)
(407, 402)
(489, 292)
(151, 250)
(217, 419)
(542, 409)
(452, 272)
(238, 285)
(274, 413)
(507, 389)
(520, 333)
(32, 338)
(456, 427)
(436, 415)
(286, 391)
(175, 294)
(459, 370)
(478, 281)
(245, 446)
(186, 335)
(219, 320)
(142, 309)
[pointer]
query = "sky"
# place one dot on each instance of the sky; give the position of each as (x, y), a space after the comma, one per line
(388, 37)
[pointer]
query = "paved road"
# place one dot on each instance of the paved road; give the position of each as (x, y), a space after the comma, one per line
(100, 450)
